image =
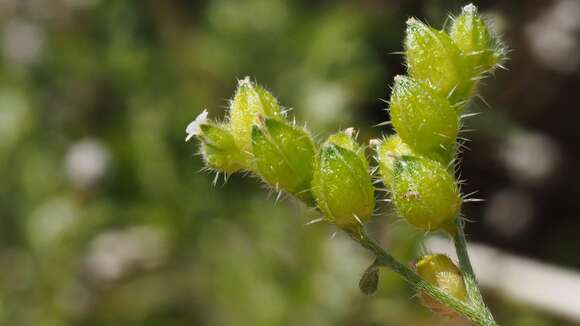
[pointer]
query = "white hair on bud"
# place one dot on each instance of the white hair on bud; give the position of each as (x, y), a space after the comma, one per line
(349, 131)
(194, 127)
(374, 143)
(245, 81)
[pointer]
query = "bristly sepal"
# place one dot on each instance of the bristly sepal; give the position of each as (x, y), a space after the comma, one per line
(479, 45)
(284, 156)
(343, 186)
(433, 58)
(250, 102)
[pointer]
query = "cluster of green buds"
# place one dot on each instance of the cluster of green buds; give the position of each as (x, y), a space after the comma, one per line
(258, 138)
(416, 164)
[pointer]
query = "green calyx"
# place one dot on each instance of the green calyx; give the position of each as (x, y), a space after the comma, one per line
(284, 156)
(342, 187)
(219, 149)
(433, 59)
(346, 139)
(425, 193)
(423, 118)
(472, 36)
(388, 151)
(249, 104)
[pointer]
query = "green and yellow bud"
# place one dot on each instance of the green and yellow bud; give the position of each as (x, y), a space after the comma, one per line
(219, 149)
(342, 187)
(388, 151)
(434, 59)
(423, 118)
(425, 193)
(472, 36)
(250, 102)
(441, 272)
(284, 156)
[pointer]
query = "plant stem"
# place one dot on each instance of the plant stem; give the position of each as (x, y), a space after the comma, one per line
(475, 313)
(468, 274)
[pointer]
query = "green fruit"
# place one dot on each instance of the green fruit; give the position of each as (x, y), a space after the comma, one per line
(423, 118)
(434, 59)
(424, 193)
(388, 151)
(346, 139)
(472, 36)
(249, 104)
(342, 187)
(219, 149)
(284, 156)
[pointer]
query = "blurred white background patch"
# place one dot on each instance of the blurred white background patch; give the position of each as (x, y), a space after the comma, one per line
(86, 163)
(554, 36)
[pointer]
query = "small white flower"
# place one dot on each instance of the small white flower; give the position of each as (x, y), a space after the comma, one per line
(194, 127)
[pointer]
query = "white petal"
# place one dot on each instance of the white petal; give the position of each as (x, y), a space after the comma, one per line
(194, 127)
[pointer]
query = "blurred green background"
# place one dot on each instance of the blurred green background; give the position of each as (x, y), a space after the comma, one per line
(105, 220)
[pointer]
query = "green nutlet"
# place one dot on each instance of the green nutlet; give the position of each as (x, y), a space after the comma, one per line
(441, 272)
(424, 193)
(388, 151)
(423, 118)
(284, 156)
(472, 36)
(342, 187)
(434, 59)
(250, 102)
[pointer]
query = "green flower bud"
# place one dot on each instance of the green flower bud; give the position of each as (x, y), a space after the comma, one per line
(284, 156)
(472, 36)
(250, 102)
(388, 151)
(345, 139)
(342, 187)
(423, 118)
(219, 149)
(434, 59)
(441, 272)
(425, 193)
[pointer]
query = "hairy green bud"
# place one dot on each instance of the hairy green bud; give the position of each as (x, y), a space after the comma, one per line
(423, 117)
(434, 59)
(425, 193)
(441, 272)
(342, 187)
(284, 156)
(219, 149)
(249, 104)
(472, 36)
(388, 151)
(346, 139)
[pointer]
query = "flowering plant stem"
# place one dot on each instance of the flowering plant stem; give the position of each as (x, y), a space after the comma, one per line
(468, 274)
(417, 164)
(474, 310)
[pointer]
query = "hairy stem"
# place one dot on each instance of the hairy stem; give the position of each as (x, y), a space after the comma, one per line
(473, 312)
(468, 274)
